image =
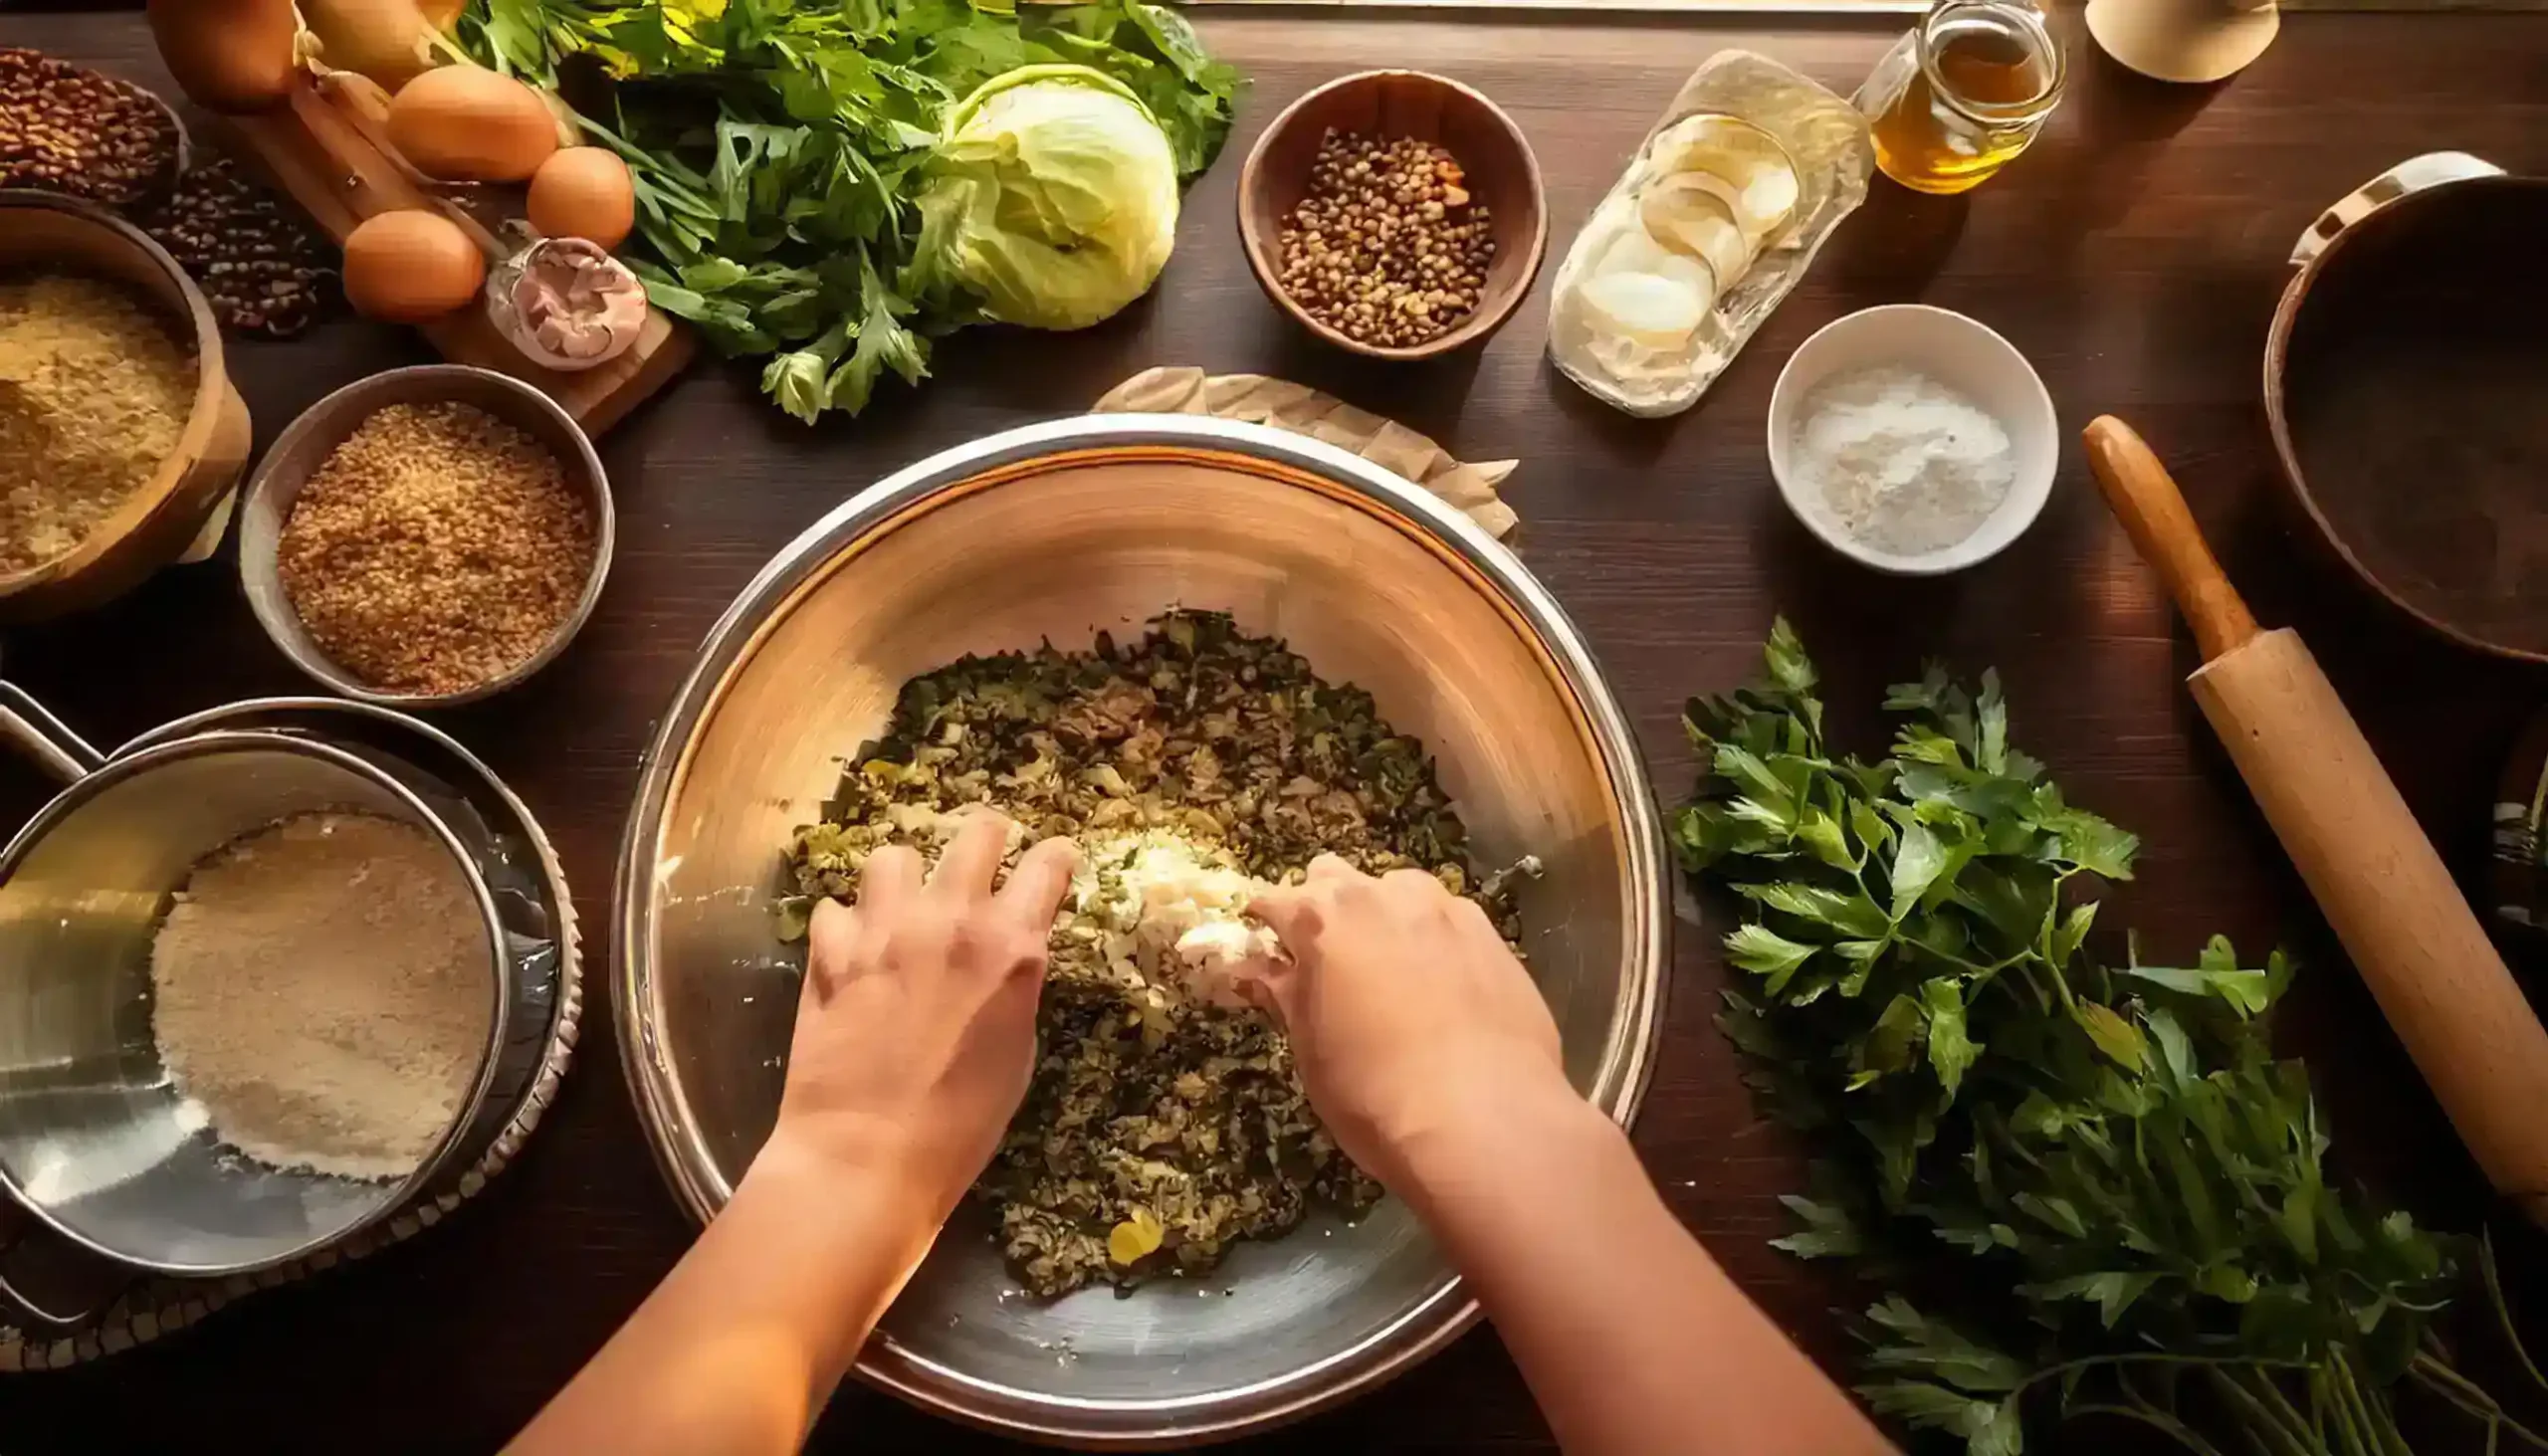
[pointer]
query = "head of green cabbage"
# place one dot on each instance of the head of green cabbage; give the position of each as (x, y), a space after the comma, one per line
(1053, 197)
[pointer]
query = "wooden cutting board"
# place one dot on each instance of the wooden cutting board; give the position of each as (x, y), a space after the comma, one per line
(329, 148)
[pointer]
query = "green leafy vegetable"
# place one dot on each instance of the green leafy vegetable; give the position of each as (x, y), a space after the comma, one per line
(783, 150)
(2103, 1170)
(1060, 195)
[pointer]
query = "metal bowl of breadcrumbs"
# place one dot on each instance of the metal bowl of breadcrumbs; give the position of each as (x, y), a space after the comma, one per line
(426, 536)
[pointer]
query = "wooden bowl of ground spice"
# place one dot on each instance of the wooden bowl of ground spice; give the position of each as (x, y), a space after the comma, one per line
(426, 536)
(119, 432)
(1394, 213)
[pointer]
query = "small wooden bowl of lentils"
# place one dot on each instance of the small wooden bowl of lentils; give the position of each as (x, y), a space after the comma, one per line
(427, 536)
(1394, 213)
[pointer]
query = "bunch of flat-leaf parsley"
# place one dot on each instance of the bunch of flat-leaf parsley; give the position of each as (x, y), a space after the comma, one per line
(2093, 1185)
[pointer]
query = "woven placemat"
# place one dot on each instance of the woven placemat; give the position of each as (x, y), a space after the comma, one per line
(155, 1306)
(1257, 400)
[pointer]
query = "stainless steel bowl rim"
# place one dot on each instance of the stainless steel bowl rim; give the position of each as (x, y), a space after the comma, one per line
(689, 1167)
(223, 719)
(309, 421)
(133, 762)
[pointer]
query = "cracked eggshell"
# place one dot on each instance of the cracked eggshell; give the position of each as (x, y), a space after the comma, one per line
(1649, 310)
(1684, 214)
(1740, 163)
(1625, 307)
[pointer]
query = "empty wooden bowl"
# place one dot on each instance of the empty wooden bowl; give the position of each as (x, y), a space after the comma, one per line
(1500, 173)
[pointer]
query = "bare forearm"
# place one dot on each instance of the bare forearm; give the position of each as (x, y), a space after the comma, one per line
(1632, 1338)
(735, 1352)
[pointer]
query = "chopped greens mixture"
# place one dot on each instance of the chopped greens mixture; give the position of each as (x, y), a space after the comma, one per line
(1161, 1123)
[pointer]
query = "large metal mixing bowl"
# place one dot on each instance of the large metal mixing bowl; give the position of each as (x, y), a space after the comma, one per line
(1055, 532)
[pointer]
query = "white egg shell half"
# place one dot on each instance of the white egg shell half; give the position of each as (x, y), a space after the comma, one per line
(1740, 162)
(1690, 218)
(1647, 308)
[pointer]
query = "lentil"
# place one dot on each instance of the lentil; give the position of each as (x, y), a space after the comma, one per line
(437, 549)
(1387, 248)
(68, 128)
(263, 269)
(95, 392)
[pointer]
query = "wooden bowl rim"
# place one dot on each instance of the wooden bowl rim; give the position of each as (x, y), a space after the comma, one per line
(2415, 206)
(212, 394)
(1252, 180)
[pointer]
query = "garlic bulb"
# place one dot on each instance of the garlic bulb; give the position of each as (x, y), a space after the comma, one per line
(567, 304)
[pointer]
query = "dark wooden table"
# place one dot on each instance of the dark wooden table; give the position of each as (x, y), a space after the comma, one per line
(2134, 255)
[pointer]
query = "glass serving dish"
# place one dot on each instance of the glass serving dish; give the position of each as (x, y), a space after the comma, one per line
(1824, 139)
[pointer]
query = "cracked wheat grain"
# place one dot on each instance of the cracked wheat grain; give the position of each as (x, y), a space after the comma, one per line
(437, 549)
(95, 392)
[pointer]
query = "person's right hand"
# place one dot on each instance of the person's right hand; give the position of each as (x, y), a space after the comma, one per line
(1410, 1018)
(915, 1034)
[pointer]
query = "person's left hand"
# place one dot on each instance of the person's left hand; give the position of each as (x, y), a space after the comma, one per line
(914, 1035)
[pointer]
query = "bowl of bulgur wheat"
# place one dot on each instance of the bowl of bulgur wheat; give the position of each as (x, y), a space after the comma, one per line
(426, 536)
(120, 435)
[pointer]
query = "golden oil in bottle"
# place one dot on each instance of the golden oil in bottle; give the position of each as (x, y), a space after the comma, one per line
(1962, 94)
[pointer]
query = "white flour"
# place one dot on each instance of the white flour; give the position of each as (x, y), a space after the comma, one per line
(322, 989)
(1903, 463)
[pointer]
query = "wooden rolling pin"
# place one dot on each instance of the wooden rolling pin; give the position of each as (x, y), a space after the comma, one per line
(2411, 933)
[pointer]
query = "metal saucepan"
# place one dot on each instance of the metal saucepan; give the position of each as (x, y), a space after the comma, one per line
(2403, 381)
(92, 1141)
(1056, 532)
(503, 840)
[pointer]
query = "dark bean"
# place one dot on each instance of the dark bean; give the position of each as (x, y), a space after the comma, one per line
(260, 263)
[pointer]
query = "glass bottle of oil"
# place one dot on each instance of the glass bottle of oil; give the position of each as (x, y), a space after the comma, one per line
(1964, 92)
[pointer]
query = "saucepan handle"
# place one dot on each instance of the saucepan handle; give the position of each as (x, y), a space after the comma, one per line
(2413, 174)
(32, 728)
(29, 1255)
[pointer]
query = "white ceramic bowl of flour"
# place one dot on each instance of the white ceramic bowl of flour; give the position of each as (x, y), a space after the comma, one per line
(1912, 439)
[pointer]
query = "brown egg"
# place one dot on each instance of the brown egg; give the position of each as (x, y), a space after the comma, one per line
(466, 124)
(228, 54)
(585, 192)
(408, 267)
